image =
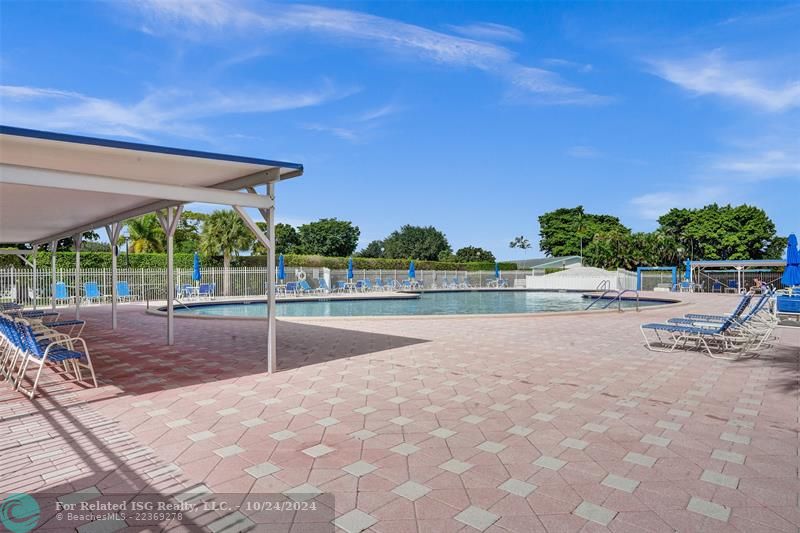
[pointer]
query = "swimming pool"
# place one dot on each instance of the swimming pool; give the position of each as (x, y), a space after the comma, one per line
(434, 303)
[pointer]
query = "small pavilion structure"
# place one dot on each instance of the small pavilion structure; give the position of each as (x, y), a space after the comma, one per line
(54, 186)
(708, 273)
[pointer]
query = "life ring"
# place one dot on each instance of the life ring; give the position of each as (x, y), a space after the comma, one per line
(301, 275)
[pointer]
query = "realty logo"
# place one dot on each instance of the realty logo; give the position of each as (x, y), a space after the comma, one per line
(19, 513)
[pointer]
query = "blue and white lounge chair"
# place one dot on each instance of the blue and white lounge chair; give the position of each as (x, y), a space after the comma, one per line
(722, 335)
(91, 292)
(291, 288)
(60, 351)
(206, 290)
(124, 292)
(323, 286)
(305, 288)
(61, 294)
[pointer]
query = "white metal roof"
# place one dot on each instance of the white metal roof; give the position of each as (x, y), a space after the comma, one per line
(55, 185)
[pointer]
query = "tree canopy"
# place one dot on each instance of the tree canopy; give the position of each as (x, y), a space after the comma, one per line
(711, 232)
(723, 232)
(474, 254)
(416, 242)
(328, 237)
(287, 241)
(566, 231)
(374, 249)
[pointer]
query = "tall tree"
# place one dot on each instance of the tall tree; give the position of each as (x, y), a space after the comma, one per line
(566, 231)
(474, 254)
(287, 241)
(416, 242)
(224, 233)
(373, 249)
(145, 235)
(328, 237)
(187, 234)
(520, 242)
(722, 232)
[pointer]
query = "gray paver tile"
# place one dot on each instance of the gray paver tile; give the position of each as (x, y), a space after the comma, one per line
(517, 487)
(411, 490)
(620, 483)
(355, 521)
(723, 480)
(455, 466)
(594, 513)
(549, 462)
(640, 459)
(261, 470)
(731, 457)
(477, 518)
(709, 509)
(360, 468)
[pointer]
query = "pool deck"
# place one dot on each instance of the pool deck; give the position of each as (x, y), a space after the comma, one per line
(551, 423)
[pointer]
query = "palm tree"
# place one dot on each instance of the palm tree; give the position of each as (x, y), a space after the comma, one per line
(225, 234)
(146, 235)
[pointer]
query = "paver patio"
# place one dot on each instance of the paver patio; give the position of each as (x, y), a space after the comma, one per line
(552, 423)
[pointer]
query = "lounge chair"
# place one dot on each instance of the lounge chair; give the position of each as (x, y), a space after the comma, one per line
(367, 285)
(391, 285)
(304, 287)
(323, 286)
(58, 351)
(717, 287)
(91, 293)
(723, 335)
(379, 286)
(292, 288)
(61, 294)
(733, 286)
(206, 290)
(124, 292)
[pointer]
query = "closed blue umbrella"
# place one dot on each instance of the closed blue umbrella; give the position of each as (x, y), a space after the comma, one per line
(791, 275)
(497, 270)
(412, 272)
(350, 268)
(281, 268)
(687, 274)
(196, 267)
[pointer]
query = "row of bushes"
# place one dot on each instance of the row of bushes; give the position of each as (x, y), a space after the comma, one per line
(66, 261)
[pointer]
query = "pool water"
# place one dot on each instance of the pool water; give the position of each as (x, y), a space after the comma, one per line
(441, 303)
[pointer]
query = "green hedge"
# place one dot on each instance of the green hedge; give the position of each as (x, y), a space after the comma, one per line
(66, 261)
(368, 263)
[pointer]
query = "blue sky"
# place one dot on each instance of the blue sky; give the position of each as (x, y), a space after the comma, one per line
(473, 117)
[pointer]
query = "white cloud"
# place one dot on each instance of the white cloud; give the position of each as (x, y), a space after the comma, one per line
(583, 152)
(222, 14)
(489, 31)
(713, 74)
(375, 114)
(557, 62)
(343, 133)
(196, 18)
(548, 88)
(652, 205)
(357, 127)
(167, 111)
(769, 164)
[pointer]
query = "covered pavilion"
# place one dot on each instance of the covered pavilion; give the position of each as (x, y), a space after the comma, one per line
(54, 186)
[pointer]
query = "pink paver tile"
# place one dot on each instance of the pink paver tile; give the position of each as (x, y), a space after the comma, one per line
(483, 379)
